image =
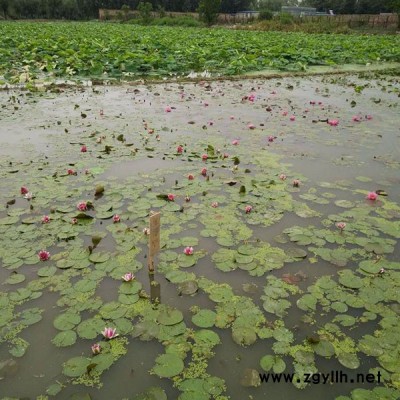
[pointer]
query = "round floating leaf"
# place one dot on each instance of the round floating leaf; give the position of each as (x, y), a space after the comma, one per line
(188, 287)
(85, 285)
(45, 272)
(304, 357)
(153, 393)
(131, 287)
(250, 378)
(348, 279)
(324, 348)
(177, 276)
(339, 307)
(64, 339)
(204, 318)
(146, 330)
(168, 365)
(206, 337)
(169, 316)
(103, 361)
(267, 362)
(221, 294)
(244, 336)
(99, 257)
(90, 328)
(307, 302)
(66, 321)
(14, 279)
(344, 203)
(296, 253)
(31, 316)
(76, 366)
(349, 360)
(247, 249)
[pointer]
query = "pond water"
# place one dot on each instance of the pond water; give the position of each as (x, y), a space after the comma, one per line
(279, 288)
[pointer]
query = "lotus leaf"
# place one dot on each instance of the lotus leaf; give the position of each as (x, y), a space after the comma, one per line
(169, 316)
(349, 360)
(66, 321)
(168, 365)
(250, 378)
(152, 393)
(324, 348)
(76, 366)
(64, 338)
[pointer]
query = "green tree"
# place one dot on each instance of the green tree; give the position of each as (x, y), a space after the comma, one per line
(209, 10)
(4, 4)
(272, 5)
(145, 10)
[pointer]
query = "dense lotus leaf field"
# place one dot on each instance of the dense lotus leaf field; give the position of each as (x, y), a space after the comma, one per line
(280, 228)
(30, 51)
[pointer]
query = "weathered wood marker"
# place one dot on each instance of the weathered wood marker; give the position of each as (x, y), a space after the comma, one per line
(154, 242)
(154, 248)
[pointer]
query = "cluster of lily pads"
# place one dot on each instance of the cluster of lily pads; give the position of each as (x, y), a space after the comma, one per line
(82, 230)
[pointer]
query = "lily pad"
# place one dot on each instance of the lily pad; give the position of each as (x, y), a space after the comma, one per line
(168, 365)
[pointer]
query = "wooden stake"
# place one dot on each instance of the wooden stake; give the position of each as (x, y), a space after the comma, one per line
(154, 241)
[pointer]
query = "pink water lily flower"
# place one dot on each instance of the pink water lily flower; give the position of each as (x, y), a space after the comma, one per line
(24, 190)
(83, 149)
(128, 277)
(296, 182)
(168, 109)
(251, 126)
(43, 255)
(116, 218)
(356, 118)
(282, 177)
(312, 102)
(204, 157)
(110, 333)
(252, 97)
(71, 172)
(248, 209)
(204, 171)
(45, 219)
(235, 142)
(179, 149)
(372, 196)
(271, 138)
(82, 206)
(284, 113)
(96, 349)
(292, 118)
(210, 123)
(369, 117)
(333, 122)
(171, 197)
(74, 221)
(190, 177)
(341, 225)
(188, 251)
(214, 204)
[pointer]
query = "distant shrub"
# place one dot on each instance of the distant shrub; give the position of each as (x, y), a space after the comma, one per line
(178, 21)
(265, 15)
(285, 18)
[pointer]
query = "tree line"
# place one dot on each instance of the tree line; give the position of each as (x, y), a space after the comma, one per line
(88, 9)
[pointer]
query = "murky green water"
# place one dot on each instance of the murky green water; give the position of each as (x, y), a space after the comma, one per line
(41, 135)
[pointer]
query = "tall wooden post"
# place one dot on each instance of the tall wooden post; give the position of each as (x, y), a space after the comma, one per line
(154, 242)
